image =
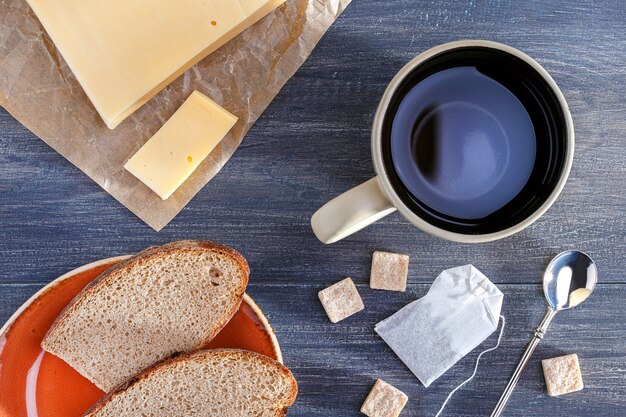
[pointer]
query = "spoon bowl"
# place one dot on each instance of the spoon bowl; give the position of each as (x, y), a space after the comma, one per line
(570, 278)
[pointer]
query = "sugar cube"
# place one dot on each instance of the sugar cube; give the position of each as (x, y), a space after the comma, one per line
(384, 400)
(389, 271)
(562, 374)
(341, 300)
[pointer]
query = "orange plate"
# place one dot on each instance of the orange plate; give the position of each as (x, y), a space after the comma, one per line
(34, 383)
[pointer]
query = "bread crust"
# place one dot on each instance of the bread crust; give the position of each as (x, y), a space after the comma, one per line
(146, 256)
(202, 354)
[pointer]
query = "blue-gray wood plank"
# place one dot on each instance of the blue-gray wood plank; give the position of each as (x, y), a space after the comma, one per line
(310, 145)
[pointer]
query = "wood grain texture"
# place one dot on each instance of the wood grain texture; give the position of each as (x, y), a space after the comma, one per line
(346, 358)
(312, 144)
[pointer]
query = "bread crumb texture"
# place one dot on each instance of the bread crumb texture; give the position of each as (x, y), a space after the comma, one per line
(222, 382)
(389, 271)
(384, 400)
(341, 300)
(163, 302)
(562, 374)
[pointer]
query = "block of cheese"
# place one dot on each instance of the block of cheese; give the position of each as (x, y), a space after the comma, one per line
(175, 151)
(124, 52)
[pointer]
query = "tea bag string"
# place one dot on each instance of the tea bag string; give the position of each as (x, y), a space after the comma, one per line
(475, 369)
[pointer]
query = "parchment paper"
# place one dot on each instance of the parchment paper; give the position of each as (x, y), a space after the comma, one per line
(39, 90)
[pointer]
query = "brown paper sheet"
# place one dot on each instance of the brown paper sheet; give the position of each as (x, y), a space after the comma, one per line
(39, 90)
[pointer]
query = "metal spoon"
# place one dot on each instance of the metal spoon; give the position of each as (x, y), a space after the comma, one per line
(569, 279)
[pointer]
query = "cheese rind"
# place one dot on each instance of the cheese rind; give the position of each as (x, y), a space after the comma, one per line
(124, 52)
(183, 142)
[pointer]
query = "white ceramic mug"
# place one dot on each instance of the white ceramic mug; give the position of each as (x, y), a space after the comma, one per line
(383, 194)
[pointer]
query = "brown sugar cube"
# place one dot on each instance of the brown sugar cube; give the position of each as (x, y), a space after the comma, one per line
(341, 300)
(389, 271)
(562, 375)
(384, 400)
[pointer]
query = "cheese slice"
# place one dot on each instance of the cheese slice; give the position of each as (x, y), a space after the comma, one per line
(175, 151)
(123, 52)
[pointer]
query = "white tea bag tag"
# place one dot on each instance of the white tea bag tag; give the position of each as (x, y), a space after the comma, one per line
(459, 312)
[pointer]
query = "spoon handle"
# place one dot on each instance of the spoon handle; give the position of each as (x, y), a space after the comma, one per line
(537, 336)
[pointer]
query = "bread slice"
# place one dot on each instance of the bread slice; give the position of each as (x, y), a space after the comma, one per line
(207, 383)
(166, 300)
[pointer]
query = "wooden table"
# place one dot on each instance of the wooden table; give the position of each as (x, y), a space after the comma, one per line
(313, 143)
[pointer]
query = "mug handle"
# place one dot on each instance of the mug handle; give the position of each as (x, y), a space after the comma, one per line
(351, 211)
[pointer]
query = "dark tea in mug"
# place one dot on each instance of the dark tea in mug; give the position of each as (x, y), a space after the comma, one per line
(474, 140)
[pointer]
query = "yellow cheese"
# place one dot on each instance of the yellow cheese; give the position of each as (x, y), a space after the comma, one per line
(123, 52)
(175, 151)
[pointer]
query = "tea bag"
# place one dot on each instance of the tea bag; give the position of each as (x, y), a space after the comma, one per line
(459, 312)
